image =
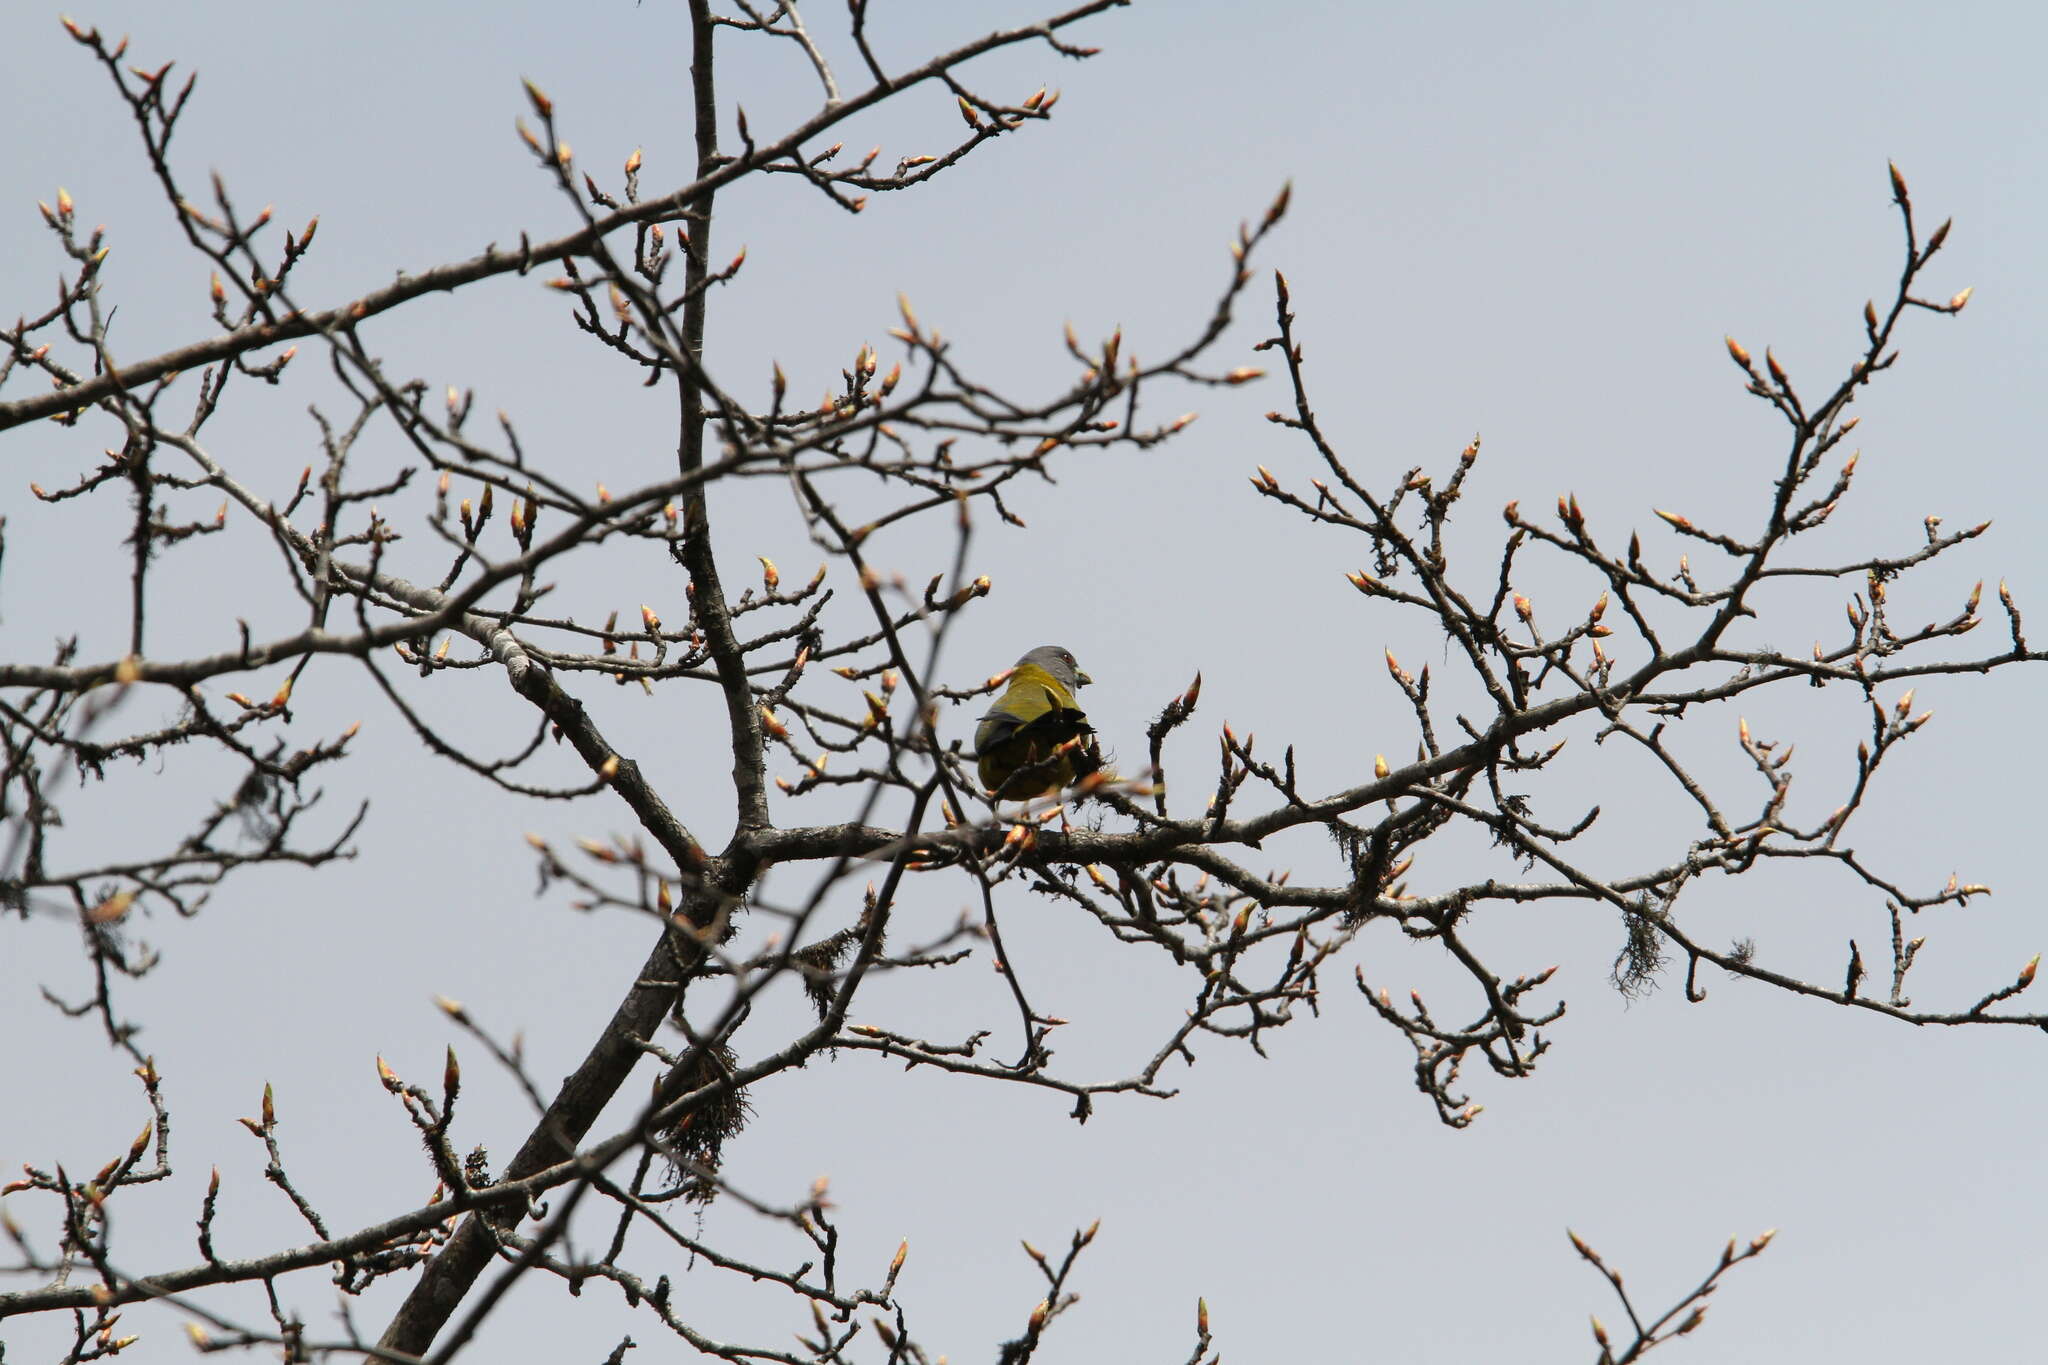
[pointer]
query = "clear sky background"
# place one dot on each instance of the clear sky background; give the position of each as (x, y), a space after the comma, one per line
(1530, 222)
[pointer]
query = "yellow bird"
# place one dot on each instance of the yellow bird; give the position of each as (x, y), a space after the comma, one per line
(1036, 739)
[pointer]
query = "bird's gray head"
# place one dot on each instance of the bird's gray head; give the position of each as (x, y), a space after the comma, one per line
(1056, 660)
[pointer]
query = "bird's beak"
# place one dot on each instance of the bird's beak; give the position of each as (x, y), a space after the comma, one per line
(1081, 679)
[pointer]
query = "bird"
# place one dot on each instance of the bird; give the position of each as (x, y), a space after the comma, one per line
(1036, 739)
